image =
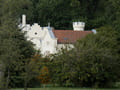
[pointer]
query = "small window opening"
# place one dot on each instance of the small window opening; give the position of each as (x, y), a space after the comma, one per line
(35, 33)
(65, 38)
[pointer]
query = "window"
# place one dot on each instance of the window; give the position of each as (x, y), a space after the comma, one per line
(35, 33)
(65, 38)
(47, 52)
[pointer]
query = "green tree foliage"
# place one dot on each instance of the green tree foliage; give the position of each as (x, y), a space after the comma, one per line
(113, 13)
(113, 16)
(14, 47)
(14, 9)
(44, 65)
(36, 71)
(58, 13)
(32, 71)
(14, 50)
(62, 13)
(94, 61)
(44, 75)
(31, 68)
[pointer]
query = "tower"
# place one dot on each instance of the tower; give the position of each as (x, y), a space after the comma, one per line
(78, 26)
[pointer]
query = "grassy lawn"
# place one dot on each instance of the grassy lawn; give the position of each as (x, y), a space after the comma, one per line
(49, 87)
(60, 88)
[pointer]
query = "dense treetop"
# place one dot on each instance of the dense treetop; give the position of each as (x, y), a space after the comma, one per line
(61, 13)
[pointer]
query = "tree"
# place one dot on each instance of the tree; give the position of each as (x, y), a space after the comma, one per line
(59, 13)
(62, 13)
(113, 13)
(93, 62)
(14, 49)
(35, 68)
(44, 75)
(99, 58)
(15, 9)
(114, 17)
(14, 46)
(31, 71)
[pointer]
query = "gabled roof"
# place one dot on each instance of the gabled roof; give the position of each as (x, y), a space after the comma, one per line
(69, 36)
(51, 33)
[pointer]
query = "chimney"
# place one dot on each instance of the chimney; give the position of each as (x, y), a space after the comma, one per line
(23, 20)
(78, 26)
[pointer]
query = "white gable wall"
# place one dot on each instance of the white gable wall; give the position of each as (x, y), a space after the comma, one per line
(42, 38)
(36, 32)
(48, 44)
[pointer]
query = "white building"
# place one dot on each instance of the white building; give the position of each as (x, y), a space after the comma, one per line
(47, 40)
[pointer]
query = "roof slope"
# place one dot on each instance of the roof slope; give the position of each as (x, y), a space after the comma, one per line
(69, 36)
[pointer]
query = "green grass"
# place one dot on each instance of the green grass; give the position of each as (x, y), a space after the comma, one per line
(60, 88)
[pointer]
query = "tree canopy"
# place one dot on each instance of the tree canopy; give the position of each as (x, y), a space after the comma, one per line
(93, 62)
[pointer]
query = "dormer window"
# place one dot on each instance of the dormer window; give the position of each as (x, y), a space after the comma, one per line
(35, 33)
(65, 38)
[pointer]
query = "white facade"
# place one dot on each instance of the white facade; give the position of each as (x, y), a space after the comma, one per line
(43, 37)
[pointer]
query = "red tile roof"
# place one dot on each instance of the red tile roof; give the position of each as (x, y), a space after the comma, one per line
(69, 36)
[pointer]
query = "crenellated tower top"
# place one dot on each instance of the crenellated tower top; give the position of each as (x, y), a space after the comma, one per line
(78, 26)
